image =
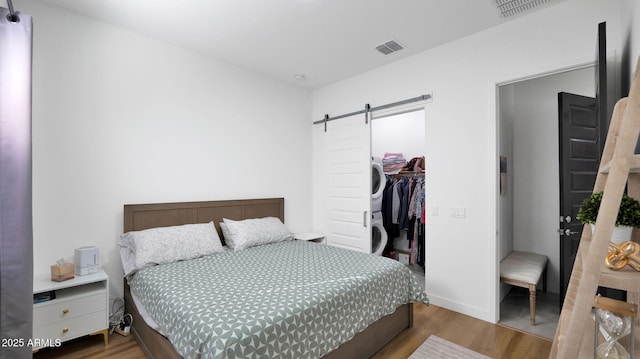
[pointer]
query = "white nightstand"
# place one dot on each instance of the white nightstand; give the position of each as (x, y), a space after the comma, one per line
(79, 308)
(312, 237)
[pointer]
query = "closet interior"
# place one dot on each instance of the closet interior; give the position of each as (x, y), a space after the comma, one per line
(398, 202)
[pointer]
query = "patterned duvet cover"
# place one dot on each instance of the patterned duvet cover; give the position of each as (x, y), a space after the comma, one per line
(292, 299)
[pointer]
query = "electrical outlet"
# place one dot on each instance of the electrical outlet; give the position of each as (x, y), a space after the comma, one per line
(124, 332)
(458, 212)
(434, 211)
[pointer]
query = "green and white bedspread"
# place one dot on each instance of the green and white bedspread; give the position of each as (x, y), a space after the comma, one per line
(291, 299)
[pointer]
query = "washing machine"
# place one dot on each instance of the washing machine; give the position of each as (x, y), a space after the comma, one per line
(378, 234)
(378, 181)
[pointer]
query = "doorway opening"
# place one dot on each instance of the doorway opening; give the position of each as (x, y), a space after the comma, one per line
(398, 138)
(528, 205)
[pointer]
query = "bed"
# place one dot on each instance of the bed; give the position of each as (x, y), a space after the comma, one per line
(358, 335)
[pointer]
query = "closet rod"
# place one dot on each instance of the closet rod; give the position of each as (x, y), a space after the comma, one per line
(407, 174)
(382, 107)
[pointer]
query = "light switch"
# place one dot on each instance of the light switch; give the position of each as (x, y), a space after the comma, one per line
(458, 212)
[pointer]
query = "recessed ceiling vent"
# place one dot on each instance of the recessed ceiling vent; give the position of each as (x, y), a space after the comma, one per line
(389, 47)
(509, 8)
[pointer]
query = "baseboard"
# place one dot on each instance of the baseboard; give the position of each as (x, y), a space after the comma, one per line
(462, 308)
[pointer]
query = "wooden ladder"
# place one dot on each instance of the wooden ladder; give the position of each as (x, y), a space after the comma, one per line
(619, 168)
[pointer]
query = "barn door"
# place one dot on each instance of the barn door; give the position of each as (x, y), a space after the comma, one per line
(348, 202)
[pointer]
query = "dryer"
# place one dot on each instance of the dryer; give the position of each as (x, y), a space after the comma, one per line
(378, 234)
(378, 182)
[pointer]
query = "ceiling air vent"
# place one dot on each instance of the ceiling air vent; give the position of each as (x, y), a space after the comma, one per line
(389, 47)
(513, 7)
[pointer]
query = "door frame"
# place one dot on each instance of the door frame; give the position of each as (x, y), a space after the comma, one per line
(498, 129)
(419, 107)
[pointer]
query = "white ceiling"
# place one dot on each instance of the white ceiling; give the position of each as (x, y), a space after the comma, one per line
(325, 40)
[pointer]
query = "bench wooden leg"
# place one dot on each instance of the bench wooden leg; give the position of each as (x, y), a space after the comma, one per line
(532, 303)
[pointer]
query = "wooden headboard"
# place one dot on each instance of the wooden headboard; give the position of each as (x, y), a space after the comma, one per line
(143, 216)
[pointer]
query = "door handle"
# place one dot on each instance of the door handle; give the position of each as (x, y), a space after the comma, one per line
(568, 232)
(364, 218)
(566, 219)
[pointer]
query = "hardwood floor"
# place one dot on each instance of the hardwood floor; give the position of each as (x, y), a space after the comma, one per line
(489, 339)
(492, 340)
(93, 347)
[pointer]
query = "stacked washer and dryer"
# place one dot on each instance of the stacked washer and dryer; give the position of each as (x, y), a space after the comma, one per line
(378, 182)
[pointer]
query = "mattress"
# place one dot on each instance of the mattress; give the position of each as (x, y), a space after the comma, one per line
(292, 299)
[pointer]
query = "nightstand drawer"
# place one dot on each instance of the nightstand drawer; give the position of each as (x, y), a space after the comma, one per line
(73, 327)
(53, 311)
(79, 308)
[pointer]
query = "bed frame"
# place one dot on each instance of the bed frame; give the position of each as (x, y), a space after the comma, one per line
(143, 216)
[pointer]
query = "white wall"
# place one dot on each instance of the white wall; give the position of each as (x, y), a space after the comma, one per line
(461, 147)
(506, 104)
(533, 117)
(505, 199)
(119, 118)
(398, 133)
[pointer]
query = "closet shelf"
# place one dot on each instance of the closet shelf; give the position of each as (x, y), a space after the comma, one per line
(407, 174)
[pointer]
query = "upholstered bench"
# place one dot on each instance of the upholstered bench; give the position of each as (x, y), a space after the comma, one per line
(523, 269)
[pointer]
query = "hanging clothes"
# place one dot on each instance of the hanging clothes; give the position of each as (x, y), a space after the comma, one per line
(403, 219)
(396, 203)
(421, 245)
(391, 228)
(403, 209)
(415, 234)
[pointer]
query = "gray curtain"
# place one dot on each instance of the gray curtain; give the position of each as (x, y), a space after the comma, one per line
(16, 233)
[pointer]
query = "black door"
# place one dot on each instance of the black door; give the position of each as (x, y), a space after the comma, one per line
(581, 141)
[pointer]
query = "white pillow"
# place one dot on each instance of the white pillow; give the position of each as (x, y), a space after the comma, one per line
(140, 249)
(254, 232)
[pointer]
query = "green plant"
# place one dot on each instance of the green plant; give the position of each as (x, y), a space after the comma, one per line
(628, 214)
